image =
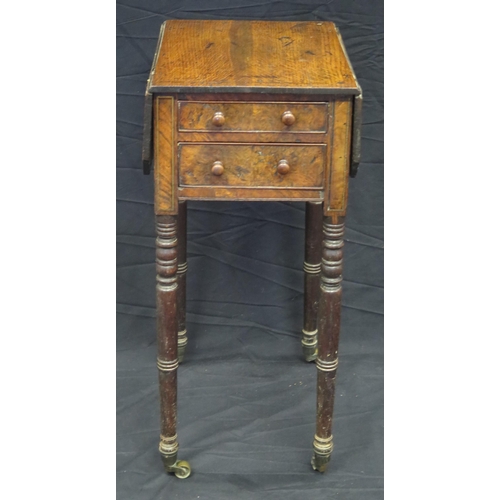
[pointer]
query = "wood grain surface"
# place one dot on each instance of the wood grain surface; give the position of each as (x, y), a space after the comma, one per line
(338, 182)
(164, 144)
(252, 165)
(252, 137)
(255, 194)
(329, 309)
(241, 56)
(252, 96)
(252, 117)
(166, 329)
(252, 110)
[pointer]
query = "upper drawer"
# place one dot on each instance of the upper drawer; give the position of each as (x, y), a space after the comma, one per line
(252, 117)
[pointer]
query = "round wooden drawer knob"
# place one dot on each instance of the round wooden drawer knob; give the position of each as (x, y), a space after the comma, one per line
(287, 118)
(218, 119)
(217, 168)
(283, 167)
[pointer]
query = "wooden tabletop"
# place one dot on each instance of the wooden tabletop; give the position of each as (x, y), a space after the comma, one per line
(251, 56)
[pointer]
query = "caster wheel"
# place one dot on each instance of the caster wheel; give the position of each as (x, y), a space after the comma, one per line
(310, 345)
(310, 354)
(182, 469)
(319, 463)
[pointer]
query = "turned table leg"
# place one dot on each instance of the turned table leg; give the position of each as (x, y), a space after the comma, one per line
(181, 279)
(328, 338)
(166, 307)
(312, 268)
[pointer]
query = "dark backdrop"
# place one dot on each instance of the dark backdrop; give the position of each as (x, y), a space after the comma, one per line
(246, 398)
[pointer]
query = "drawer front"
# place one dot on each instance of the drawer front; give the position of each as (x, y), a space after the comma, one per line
(266, 166)
(252, 117)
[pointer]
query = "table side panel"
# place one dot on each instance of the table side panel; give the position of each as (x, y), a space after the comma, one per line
(337, 181)
(165, 147)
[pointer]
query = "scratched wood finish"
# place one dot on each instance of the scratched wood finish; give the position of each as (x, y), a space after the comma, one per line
(181, 278)
(338, 181)
(252, 165)
(251, 72)
(254, 194)
(165, 183)
(312, 263)
(328, 337)
(253, 137)
(300, 57)
(249, 116)
(254, 97)
(166, 329)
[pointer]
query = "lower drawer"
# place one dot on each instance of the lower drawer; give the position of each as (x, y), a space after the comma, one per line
(244, 165)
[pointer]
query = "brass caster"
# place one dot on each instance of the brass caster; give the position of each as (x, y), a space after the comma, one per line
(181, 469)
(310, 345)
(319, 462)
(310, 353)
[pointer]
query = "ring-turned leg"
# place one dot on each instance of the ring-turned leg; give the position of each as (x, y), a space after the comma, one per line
(328, 338)
(181, 279)
(312, 268)
(166, 309)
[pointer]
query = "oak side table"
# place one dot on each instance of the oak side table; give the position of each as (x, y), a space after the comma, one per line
(254, 111)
